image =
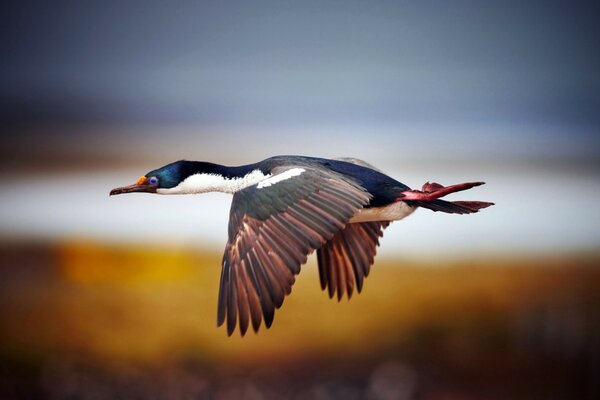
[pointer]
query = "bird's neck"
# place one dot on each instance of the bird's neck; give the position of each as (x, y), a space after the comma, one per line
(204, 177)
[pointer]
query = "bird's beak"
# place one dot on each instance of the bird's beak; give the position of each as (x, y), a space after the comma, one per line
(140, 186)
(133, 188)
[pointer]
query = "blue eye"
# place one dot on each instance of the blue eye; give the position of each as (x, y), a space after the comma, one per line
(153, 181)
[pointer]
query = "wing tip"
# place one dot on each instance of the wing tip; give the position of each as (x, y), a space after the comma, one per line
(230, 330)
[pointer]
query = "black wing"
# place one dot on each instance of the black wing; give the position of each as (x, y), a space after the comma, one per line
(273, 226)
(348, 257)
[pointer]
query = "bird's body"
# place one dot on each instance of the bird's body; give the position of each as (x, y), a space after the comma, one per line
(284, 208)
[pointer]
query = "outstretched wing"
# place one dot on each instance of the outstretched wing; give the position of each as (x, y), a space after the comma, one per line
(348, 256)
(273, 226)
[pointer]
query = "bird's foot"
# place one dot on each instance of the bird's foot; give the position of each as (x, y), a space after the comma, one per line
(432, 191)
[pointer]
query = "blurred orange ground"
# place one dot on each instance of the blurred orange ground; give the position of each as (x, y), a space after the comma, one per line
(84, 318)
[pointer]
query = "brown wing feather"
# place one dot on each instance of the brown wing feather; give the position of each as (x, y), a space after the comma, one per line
(346, 259)
(265, 251)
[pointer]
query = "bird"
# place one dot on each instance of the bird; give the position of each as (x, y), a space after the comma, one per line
(286, 207)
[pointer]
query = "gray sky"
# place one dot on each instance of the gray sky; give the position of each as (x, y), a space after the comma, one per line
(292, 62)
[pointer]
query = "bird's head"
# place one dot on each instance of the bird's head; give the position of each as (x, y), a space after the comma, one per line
(165, 177)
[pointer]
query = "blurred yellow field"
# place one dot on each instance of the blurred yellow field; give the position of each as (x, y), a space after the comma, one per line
(113, 305)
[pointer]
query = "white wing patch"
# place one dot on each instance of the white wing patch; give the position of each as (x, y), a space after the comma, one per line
(290, 173)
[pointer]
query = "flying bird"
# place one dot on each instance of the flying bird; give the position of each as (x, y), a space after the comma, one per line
(286, 207)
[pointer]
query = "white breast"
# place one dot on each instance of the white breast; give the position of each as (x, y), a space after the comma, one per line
(393, 212)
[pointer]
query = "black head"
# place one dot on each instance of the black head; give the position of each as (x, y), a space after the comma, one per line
(165, 177)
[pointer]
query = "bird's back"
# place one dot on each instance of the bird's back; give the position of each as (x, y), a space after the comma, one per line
(383, 188)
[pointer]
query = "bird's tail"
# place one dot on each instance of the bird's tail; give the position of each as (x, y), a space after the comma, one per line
(451, 207)
(429, 196)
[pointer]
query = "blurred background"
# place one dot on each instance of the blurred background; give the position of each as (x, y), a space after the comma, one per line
(116, 297)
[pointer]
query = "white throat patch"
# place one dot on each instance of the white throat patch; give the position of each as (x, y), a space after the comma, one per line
(203, 183)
